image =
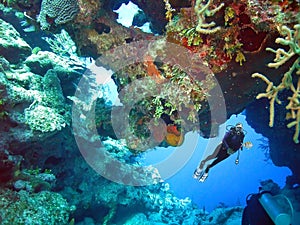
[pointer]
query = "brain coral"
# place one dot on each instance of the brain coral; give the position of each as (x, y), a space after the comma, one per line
(62, 10)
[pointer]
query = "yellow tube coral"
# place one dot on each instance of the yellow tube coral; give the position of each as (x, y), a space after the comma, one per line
(292, 39)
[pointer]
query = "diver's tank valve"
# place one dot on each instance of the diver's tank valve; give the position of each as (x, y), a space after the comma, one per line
(276, 212)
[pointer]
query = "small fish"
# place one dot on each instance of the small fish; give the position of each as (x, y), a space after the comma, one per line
(248, 144)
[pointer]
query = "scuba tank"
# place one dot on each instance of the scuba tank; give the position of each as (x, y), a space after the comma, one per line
(277, 213)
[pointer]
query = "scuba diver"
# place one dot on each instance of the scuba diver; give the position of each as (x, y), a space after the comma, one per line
(231, 143)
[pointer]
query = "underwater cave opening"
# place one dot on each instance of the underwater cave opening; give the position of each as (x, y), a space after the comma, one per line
(237, 180)
(227, 183)
(131, 15)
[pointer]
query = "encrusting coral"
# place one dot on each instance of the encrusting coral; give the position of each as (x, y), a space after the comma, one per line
(292, 39)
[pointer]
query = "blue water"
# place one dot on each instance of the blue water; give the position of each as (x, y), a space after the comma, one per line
(227, 182)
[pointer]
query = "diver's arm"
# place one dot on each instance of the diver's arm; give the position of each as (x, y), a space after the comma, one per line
(242, 141)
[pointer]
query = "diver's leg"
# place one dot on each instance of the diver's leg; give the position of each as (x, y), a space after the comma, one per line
(212, 156)
(223, 155)
(203, 174)
(199, 172)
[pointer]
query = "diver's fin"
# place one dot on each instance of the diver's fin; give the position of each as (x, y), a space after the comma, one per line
(203, 177)
(198, 173)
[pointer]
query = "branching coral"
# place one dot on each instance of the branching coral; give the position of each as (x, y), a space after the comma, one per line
(202, 11)
(292, 39)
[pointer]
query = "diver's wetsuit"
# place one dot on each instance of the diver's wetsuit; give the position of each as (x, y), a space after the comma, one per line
(233, 140)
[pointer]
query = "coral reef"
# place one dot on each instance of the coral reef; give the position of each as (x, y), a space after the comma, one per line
(231, 52)
(33, 208)
(224, 215)
(88, 12)
(169, 10)
(35, 87)
(155, 204)
(233, 49)
(39, 107)
(43, 61)
(223, 40)
(12, 47)
(44, 119)
(33, 102)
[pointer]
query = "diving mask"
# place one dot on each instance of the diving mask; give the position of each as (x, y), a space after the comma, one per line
(239, 128)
